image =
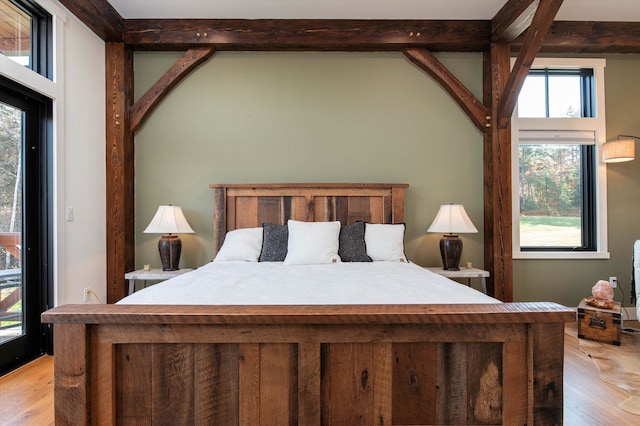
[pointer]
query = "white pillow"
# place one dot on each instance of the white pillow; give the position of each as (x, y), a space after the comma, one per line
(241, 244)
(312, 243)
(385, 242)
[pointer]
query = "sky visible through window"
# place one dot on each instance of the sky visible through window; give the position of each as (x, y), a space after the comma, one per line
(564, 97)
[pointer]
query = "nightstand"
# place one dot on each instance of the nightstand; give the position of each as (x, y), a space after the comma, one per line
(467, 273)
(152, 275)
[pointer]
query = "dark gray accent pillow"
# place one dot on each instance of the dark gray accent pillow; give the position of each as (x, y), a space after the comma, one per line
(352, 247)
(275, 240)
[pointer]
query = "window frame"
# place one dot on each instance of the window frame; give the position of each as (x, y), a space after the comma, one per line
(595, 124)
(41, 48)
(37, 223)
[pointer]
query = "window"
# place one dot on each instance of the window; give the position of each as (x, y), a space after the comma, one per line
(556, 190)
(557, 93)
(25, 35)
(559, 208)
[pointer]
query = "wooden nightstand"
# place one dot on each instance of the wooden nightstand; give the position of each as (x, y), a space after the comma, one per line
(467, 273)
(152, 275)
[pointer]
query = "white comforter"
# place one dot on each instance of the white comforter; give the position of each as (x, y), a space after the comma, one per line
(636, 274)
(272, 283)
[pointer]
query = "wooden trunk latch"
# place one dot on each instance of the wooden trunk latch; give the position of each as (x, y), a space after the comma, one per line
(597, 322)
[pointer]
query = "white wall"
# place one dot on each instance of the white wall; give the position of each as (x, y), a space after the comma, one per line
(78, 94)
(80, 172)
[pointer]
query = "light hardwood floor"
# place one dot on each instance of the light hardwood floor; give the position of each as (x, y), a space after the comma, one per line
(26, 395)
(587, 399)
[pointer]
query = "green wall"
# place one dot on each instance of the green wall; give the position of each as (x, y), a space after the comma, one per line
(307, 117)
(568, 281)
(352, 117)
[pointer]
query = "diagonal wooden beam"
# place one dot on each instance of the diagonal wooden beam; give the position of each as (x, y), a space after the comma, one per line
(183, 66)
(539, 27)
(512, 20)
(425, 60)
(99, 16)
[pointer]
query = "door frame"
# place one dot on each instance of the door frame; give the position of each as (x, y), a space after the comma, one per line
(37, 224)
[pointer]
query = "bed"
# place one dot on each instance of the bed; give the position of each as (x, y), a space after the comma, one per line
(309, 364)
(635, 278)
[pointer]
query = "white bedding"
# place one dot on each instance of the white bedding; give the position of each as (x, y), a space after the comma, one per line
(272, 283)
(636, 274)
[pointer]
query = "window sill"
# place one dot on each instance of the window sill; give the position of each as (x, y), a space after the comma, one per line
(561, 255)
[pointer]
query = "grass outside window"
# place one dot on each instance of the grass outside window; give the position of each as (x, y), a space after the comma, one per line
(550, 231)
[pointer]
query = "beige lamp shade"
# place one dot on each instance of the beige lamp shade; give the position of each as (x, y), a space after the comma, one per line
(452, 218)
(169, 220)
(617, 151)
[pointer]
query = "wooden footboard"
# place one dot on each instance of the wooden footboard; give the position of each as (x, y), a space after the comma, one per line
(309, 365)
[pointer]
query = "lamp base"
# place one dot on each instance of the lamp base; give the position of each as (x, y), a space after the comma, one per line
(451, 251)
(170, 247)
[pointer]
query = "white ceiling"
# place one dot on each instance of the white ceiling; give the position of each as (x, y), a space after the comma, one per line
(578, 10)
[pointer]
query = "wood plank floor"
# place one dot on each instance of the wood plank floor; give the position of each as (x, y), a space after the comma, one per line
(26, 395)
(587, 399)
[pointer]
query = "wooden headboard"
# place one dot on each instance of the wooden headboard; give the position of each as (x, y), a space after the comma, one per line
(250, 205)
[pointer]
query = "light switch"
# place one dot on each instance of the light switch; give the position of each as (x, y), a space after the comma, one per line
(69, 214)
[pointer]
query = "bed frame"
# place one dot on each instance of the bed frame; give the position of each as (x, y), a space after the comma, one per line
(309, 365)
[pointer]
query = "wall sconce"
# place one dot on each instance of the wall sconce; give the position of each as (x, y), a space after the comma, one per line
(619, 150)
(452, 219)
(169, 220)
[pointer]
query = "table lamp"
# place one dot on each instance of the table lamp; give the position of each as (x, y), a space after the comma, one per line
(452, 219)
(169, 220)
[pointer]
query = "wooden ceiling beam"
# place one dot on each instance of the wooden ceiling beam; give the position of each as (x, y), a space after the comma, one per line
(99, 16)
(307, 34)
(355, 35)
(475, 109)
(183, 66)
(512, 20)
(539, 27)
(11, 44)
(589, 37)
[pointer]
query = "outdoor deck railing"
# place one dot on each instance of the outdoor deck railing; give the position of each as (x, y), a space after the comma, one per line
(10, 284)
(10, 294)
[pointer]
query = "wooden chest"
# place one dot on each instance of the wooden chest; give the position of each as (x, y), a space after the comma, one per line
(602, 325)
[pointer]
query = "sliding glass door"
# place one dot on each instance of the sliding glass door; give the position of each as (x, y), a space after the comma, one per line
(25, 275)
